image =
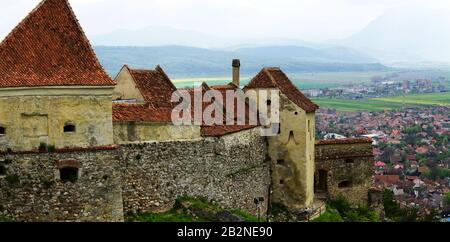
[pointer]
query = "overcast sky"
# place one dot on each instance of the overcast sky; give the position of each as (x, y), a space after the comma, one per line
(310, 20)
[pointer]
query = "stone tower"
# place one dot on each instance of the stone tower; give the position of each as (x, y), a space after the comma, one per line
(53, 90)
(292, 150)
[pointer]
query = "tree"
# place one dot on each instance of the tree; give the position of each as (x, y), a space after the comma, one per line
(394, 212)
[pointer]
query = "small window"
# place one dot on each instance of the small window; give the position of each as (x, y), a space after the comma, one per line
(269, 102)
(349, 161)
(296, 113)
(345, 184)
(281, 182)
(2, 131)
(2, 170)
(280, 162)
(69, 128)
(68, 174)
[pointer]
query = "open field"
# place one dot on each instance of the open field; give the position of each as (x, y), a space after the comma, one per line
(190, 82)
(420, 99)
(346, 105)
(380, 104)
(301, 80)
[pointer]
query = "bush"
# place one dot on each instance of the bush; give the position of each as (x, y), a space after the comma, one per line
(12, 179)
(42, 147)
(447, 199)
(331, 215)
(189, 209)
(341, 210)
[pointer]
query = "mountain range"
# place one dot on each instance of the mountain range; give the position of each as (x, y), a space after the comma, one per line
(183, 61)
(405, 35)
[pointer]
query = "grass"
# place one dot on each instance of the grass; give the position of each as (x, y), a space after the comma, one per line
(442, 99)
(190, 82)
(4, 219)
(301, 80)
(387, 103)
(347, 105)
(341, 210)
(189, 209)
(331, 215)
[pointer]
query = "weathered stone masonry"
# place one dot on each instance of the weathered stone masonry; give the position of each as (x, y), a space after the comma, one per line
(231, 170)
(344, 167)
(31, 189)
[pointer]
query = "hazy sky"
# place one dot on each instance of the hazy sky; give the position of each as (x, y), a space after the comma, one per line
(310, 20)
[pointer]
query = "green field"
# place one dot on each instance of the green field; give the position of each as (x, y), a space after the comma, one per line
(301, 80)
(442, 99)
(387, 103)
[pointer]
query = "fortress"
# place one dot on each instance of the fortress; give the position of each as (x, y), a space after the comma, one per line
(76, 145)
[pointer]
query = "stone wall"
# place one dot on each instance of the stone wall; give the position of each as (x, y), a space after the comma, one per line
(29, 119)
(138, 177)
(345, 167)
(31, 188)
(126, 132)
(292, 156)
(230, 170)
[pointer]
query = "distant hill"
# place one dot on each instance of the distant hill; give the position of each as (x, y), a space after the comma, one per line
(405, 34)
(182, 61)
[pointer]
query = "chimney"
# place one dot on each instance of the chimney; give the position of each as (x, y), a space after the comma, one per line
(236, 69)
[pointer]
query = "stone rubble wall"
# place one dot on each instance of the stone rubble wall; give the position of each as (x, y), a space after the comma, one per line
(32, 190)
(230, 170)
(346, 162)
(141, 177)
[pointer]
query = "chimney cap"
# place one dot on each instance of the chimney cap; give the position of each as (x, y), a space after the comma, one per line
(236, 63)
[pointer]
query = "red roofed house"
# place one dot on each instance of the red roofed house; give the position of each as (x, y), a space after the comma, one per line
(53, 89)
(388, 180)
(142, 108)
(294, 146)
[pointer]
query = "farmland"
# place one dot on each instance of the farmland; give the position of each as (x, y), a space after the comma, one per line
(386, 103)
(301, 80)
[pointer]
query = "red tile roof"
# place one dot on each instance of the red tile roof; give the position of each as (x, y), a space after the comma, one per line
(388, 179)
(154, 85)
(275, 78)
(344, 141)
(140, 113)
(49, 48)
(220, 130)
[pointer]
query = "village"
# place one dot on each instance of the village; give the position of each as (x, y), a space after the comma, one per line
(411, 150)
(380, 88)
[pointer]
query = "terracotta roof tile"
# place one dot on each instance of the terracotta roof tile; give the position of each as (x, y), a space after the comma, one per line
(154, 85)
(49, 48)
(388, 179)
(275, 78)
(219, 130)
(140, 113)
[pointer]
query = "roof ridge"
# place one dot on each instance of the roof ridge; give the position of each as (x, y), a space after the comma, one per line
(266, 70)
(160, 70)
(83, 34)
(47, 48)
(22, 22)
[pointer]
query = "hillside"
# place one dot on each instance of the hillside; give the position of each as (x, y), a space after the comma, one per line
(405, 34)
(182, 61)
